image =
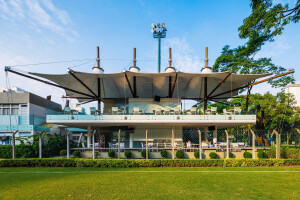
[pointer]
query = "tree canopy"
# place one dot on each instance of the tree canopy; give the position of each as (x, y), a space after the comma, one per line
(265, 22)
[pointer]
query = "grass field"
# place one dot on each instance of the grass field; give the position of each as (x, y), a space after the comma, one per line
(150, 183)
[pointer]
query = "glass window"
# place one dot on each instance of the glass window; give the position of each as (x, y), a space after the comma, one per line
(15, 111)
(6, 105)
(15, 105)
(6, 111)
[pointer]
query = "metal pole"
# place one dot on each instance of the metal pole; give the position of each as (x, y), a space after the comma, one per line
(253, 143)
(68, 145)
(277, 144)
(227, 144)
(93, 139)
(119, 137)
(14, 144)
(173, 144)
(159, 53)
(200, 144)
(146, 144)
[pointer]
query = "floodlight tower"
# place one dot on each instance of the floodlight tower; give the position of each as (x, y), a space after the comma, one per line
(159, 31)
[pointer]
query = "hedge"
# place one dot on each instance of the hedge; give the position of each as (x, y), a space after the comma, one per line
(129, 163)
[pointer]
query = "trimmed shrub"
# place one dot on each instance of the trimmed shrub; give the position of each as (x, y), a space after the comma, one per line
(63, 152)
(143, 153)
(111, 154)
(231, 155)
(179, 154)
(128, 154)
(96, 154)
(247, 155)
(262, 154)
(293, 153)
(213, 155)
(126, 163)
(76, 154)
(164, 153)
(196, 154)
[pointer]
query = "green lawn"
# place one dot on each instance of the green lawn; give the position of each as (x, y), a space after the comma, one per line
(150, 183)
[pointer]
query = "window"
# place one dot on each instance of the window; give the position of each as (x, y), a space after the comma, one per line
(75, 138)
(15, 109)
(6, 111)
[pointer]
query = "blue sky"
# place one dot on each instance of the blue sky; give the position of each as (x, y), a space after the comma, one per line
(45, 31)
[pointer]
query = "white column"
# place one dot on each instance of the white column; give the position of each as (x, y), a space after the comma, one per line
(215, 135)
(89, 136)
(93, 139)
(200, 144)
(146, 144)
(131, 140)
(227, 144)
(14, 144)
(68, 144)
(40, 144)
(119, 138)
(253, 143)
(173, 143)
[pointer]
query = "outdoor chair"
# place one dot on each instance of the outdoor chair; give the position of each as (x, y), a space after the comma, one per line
(157, 111)
(93, 110)
(83, 147)
(136, 111)
(122, 145)
(114, 110)
(166, 111)
(225, 112)
(143, 145)
(237, 110)
(193, 110)
(176, 111)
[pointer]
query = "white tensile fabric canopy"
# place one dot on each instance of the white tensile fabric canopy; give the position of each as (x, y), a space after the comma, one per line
(148, 85)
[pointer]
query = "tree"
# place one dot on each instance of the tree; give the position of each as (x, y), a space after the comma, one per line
(264, 23)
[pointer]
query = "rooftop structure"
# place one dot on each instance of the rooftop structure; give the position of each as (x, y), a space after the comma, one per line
(295, 90)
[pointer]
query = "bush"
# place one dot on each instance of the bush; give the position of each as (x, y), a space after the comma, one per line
(247, 155)
(213, 155)
(126, 163)
(111, 154)
(231, 155)
(128, 154)
(262, 154)
(143, 153)
(293, 153)
(76, 154)
(179, 154)
(63, 152)
(96, 154)
(164, 154)
(196, 154)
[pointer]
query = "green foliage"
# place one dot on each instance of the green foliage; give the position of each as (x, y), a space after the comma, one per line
(247, 155)
(180, 154)
(265, 22)
(63, 152)
(213, 155)
(128, 154)
(128, 163)
(231, 155)
(284, 152)
(76, 154)
(111, 154)
(164, 153)
(196, 154)
(262, 154)
(143, 153)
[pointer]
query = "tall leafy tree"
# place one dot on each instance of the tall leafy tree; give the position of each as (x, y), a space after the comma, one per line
(265, 22)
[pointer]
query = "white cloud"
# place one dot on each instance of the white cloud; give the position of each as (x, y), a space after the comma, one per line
(39, 16)
(184, 58)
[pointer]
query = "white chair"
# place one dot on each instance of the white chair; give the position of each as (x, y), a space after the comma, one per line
(114, 110)
(157, 111)
(122, 145)
(213, 110)
(225, 112)
(136, 110)
(176, 111)
(166, 111)
(204, 145)
(193, 110)
(237, 110)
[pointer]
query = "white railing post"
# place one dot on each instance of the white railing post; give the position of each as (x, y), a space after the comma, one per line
(253, 143)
